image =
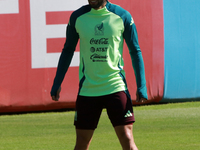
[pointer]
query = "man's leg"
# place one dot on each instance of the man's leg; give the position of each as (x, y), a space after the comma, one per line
(120, 111)
(83, 139)
(88, 111)
(125, 136)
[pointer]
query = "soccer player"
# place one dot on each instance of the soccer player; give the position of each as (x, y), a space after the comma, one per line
(102, 28)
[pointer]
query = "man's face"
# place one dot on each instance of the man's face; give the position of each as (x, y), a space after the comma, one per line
(97, 4)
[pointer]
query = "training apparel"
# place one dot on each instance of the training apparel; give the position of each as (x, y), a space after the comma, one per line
(101, 33)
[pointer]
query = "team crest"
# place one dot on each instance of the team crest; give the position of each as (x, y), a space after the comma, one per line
(99, 29)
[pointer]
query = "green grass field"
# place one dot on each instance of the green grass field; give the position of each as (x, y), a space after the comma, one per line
(157, 127)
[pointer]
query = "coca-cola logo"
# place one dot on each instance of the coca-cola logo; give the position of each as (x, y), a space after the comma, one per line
(103, 41)
(98, 58)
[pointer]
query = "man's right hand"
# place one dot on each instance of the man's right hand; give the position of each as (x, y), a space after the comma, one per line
(57, 96)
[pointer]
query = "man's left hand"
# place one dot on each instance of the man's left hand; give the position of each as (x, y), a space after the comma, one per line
(140, 100)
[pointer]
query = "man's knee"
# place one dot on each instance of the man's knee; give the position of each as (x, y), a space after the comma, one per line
(83, 138)
(125, 136)
(124, 131)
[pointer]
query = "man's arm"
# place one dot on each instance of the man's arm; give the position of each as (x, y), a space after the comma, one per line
(65, 60)
(131, 38)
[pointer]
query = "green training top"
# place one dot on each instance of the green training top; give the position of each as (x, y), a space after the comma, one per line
(101, 33)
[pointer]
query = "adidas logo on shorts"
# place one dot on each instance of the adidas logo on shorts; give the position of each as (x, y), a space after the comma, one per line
(128, 114)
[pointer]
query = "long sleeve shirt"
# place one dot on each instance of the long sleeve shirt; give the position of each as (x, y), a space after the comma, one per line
(102, 33)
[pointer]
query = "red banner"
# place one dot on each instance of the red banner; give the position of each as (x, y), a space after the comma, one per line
(32, 34)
